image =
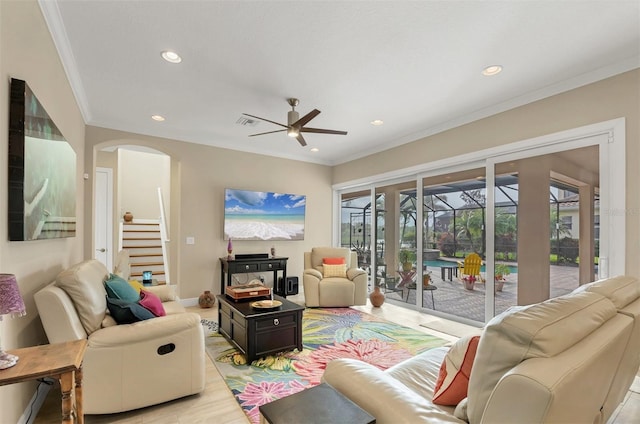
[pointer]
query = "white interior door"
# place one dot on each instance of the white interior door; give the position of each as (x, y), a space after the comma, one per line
(103, 236)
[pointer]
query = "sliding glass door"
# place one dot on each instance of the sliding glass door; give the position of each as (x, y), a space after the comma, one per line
(396, 242)
(453, 228)
(543, 216)
(356, 230)
(546, 209)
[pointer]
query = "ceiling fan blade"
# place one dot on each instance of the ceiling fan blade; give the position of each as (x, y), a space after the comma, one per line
(301, 140)
(322, 131)
(306, 118)
(267, 120)
(268, 132)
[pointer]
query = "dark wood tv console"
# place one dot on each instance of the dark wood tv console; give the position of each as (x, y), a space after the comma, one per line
(276, 265)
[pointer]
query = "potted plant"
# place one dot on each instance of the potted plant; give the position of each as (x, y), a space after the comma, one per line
(500, 274)
(407, 258)
(469, 281)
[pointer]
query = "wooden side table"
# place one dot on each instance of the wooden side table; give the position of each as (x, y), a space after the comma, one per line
(62, 361)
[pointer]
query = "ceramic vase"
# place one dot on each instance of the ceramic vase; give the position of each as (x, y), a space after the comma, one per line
(128, 217)
(229, 249)
(376, 297)
(206, 299)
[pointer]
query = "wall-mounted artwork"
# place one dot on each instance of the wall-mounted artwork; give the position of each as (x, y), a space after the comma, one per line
(42, 171)
(260, 215)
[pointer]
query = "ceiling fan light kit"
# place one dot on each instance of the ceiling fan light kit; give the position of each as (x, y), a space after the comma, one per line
(296, 125)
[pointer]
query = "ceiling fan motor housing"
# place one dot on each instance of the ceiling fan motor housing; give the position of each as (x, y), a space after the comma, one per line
(292, 117)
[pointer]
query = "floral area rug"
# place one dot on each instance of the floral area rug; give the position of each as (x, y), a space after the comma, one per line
(327, 334)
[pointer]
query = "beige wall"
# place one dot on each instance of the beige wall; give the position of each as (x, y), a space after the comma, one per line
(27, 52)
(616, 97)
(141, 173)
(201, 174)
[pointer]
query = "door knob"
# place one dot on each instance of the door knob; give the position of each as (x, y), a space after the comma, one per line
(102, 250)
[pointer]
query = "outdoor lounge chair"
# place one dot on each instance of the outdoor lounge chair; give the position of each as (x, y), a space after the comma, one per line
(470, 267)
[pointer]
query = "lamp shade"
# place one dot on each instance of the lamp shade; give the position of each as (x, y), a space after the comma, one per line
(11, 302)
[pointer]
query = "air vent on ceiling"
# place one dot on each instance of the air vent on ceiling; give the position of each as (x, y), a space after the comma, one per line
(243, 120)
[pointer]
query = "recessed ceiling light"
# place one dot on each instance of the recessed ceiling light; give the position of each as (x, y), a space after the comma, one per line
(158, 118)
(172, 57)
(377, 122)
(492, 70)
(315, 149)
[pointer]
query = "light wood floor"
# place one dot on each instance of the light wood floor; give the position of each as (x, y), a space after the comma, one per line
(217, 404)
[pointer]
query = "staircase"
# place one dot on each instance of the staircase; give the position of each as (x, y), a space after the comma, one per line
(143, 240)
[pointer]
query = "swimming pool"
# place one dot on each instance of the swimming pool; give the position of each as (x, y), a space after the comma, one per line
(440, 263)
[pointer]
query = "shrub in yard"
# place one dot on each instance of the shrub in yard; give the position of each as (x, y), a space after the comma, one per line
(446, 244)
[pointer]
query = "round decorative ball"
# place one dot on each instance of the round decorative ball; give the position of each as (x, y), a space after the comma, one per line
(206, 299)
(128, 217)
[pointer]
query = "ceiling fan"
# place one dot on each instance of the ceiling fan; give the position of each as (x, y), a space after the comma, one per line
(296, 125)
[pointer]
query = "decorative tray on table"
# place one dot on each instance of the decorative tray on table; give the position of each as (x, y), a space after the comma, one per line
(266, 304)
(248, 291)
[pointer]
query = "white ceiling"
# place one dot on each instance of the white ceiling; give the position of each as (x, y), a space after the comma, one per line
(414, 64)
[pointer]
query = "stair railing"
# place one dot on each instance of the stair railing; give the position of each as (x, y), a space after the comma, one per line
(164, 237)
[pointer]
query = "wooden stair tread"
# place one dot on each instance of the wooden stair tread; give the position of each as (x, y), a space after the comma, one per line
(143, 247)
(140, 255)
(141, 231)
(146, 264)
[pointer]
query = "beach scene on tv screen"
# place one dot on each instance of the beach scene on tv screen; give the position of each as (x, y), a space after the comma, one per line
(260, 215)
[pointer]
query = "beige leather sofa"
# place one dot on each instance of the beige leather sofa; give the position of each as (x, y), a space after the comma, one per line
(125, 366)
(570, 359)
(320, 291)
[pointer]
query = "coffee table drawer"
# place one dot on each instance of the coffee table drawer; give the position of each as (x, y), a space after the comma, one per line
(274, 322)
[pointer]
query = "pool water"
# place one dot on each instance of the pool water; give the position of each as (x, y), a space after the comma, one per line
(440, 263)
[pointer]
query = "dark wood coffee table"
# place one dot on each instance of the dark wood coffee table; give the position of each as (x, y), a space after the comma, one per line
(319, 404)
(259, 332)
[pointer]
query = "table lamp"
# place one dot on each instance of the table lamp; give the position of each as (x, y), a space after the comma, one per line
(11, 304)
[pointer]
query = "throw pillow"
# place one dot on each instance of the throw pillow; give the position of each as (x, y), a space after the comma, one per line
(127, 312)
(118, 288)
(137, 285)
(334, 261)
(152, 302)
(334, 270)
(453, 380)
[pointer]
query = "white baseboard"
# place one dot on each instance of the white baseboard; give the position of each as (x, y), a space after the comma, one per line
(189, 302)
(30, 413)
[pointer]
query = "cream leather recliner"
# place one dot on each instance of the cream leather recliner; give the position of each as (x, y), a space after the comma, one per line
(321, 291)
(126, 366)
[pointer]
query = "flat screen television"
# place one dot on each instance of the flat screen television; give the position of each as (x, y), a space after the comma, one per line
(263, 215)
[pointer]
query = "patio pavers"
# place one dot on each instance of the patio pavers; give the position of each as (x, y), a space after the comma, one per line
(452, 298)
